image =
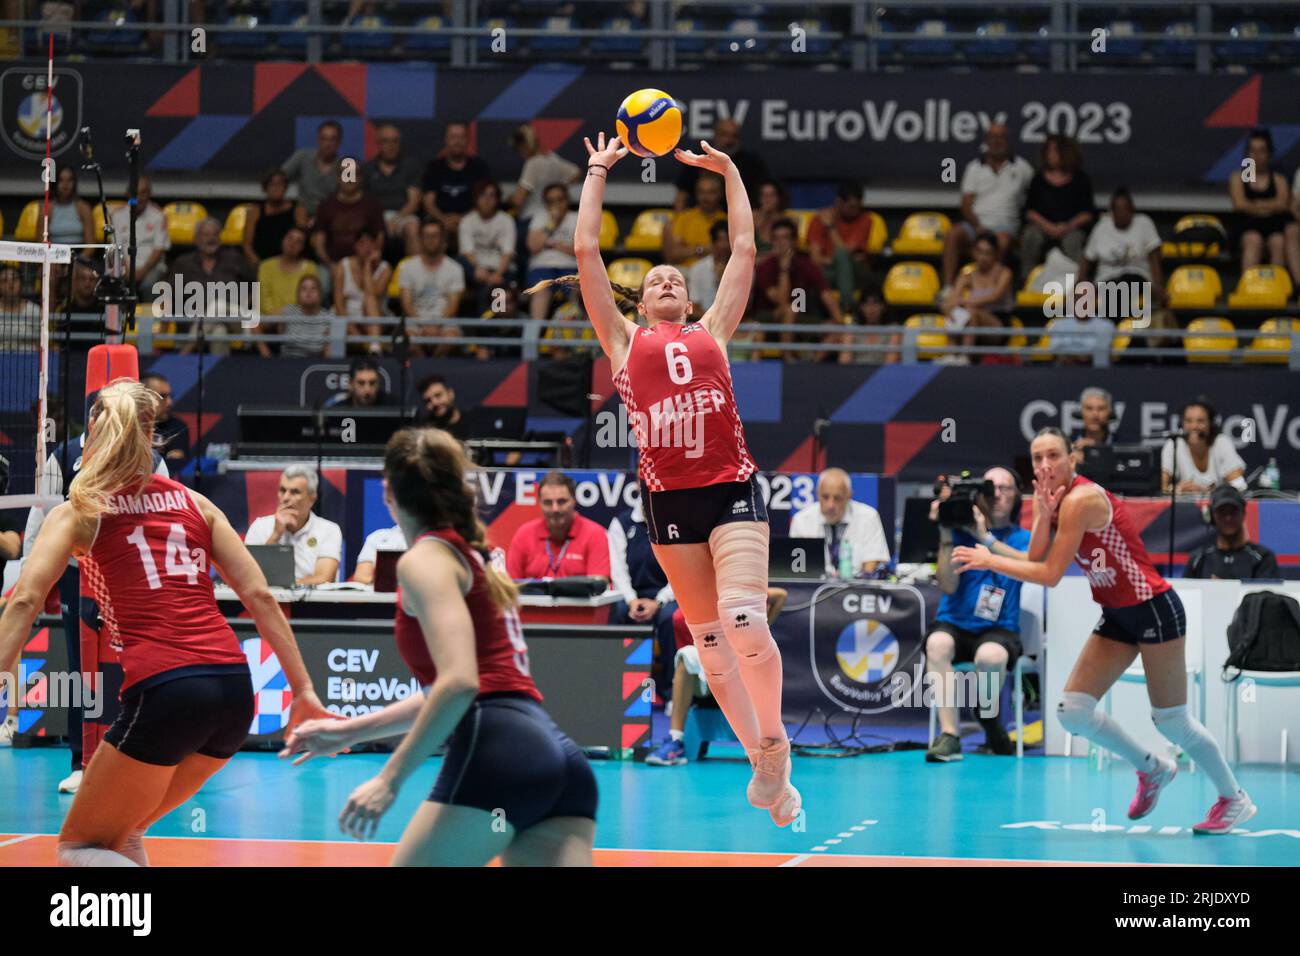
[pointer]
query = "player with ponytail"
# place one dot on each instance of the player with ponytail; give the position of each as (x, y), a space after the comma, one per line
(459, 632)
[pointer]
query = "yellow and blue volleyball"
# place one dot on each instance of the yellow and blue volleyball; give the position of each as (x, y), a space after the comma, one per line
(649, 123)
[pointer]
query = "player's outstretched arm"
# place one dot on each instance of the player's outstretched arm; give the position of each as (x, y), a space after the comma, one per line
(63, 533)
(737, 280)
(612, 329)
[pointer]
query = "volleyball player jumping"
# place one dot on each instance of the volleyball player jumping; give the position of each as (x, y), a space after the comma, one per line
(458, 631)
(1141, 614)
(705, 513)
(187, 697)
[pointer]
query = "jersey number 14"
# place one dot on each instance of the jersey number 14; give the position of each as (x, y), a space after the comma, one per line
(177, 561)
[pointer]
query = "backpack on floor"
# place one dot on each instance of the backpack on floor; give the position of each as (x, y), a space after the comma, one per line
(1264, 634)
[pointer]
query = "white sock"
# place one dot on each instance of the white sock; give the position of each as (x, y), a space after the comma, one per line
(1079, 714)
(677, 735)
(86, 854)
(1179, 726)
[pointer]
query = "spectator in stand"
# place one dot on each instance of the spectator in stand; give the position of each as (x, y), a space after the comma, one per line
(277, 277)
(487, 243)
(449, 179)
(1097, 413)
(267, 222)
(980, 298)
(431, 285)
(1207, 458)
(365, 386)
(1075, 339)
(773, 203)
(212, 262)
(1124, 247)
(788, 280)
(647, 597)
(152, 239)
(542, 168)
(306, 323)
(1262, 201)
(872, 311)
(837, 241)
(993, 191)
(550, 248)
(171, 435)
(341, 218)
(361, 287)
(20, 319)
(845, 525)
(384, 539)
(726, 138)
(686, 234)
(72, 221)
(393, 179)
(82, 302)
(316, 171)
(1232, 556)
(561, 543)
(440, 409)
(702, 278)
(317, 542)
(1059, 208)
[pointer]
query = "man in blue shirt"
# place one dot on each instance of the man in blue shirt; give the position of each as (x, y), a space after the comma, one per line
(979, 617)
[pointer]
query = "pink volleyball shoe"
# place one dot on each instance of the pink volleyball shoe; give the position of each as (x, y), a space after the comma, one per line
(1149, 787)
(771, 775)
(787, 808)
(1227, 812)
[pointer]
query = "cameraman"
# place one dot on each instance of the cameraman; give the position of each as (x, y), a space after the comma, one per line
(979, 615)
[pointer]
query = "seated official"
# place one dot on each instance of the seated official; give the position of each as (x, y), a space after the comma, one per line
(385, 539)
(979, 616)
(846, 525)
(1202, 457)
(647, 596)
(561, 543)
(317, 542)
(1233, 556)
(1097, 412)
(365, 386)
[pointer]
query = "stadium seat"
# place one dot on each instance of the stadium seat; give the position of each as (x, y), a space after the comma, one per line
(1030, 297)
(182, 219)
(1042, 349)
(1194, 287)
(1017, 342)
(432, 37)
(879, 234)
(630, 272)
(1177, 44)
(294, 41)
(556, 40)
(115, 36)
(1261, 287)
(1212, 340)
(927, 342)
(802, 219)
(29, 222)
(249, 37)
(990, 47)
(817, 47)
(1119, 42)
(232, 234)
(1121, 341)
(608, 230)
(933, 42)
(647, 233)
(491, 24)
(364, 35)
(743, 30)
(912, 283)
(1244, 48)
(1274, 344)
(686, 40)
(1196, 236)
(922, 234)
(394, 290)
(618, 35)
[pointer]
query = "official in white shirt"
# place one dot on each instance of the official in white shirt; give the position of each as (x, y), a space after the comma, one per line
(385, 539)
(317, 542)
(837, 519)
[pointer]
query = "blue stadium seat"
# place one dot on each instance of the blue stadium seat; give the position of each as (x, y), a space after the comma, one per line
(884, 45)
(249, 39)
(1245, 49)
(686, 41)
(432, 37)
(118, 34)
(620, 36)
(555, 42)
(992, 48)
(934, 42)
(293, 41)
(742, 33)
(1175, 45)
(1040, 49)
(365, 37)
(1119, 42)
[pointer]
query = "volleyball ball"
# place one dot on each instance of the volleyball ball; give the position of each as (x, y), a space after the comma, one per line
(649, 123)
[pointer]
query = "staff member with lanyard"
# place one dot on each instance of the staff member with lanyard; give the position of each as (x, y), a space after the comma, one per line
(561, 543)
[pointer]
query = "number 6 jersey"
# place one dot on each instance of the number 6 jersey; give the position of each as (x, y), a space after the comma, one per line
(148, 572)
(676, 385)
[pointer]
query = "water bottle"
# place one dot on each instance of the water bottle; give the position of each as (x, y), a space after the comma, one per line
(1271, 478)
(846, 561)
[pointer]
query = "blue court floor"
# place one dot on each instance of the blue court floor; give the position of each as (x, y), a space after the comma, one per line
(870, 810)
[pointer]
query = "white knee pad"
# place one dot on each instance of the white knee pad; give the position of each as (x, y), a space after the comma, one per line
(744, 621)
(87, 854)
(1077, 712)
(717, 659)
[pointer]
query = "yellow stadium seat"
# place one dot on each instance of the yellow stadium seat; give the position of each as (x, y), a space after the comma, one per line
(879, 233)
(394, 290)
(802, 219)
(1042, 350)
(912, 283)
(922, 234)
(608, 230)
(927, 342)
(629, 272)
(1197, 236)
(1213, 339)
(29, 223)
(1017, 341)
(1121, 341)
(567, 327)
(1274, 345)
(1194, 287)
(232, 234)
(1261, 287)
(182, 219)
(647, 233)
(1028, 296)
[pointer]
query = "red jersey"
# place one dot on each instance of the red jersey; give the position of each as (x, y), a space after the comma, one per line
(154, 598)
(1115, 559)
(498, 634)
(677, 389)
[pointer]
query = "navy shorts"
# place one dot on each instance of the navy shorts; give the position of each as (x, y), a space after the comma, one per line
(689, 515)
(1152, 622)
(203, 710)
(507, 754)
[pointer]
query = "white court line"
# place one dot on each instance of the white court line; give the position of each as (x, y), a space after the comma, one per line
(795, 861)
(23, 838)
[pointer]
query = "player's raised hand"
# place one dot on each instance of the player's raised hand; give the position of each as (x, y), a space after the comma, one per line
(1048, 498)
(712, 159)
(603, 154)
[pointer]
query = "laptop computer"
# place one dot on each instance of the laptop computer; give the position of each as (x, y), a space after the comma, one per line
(796, 559)
(386, 570)
(276, 562)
